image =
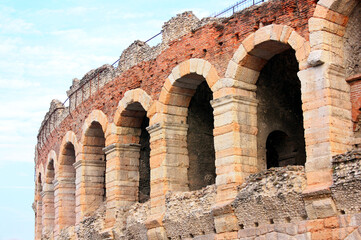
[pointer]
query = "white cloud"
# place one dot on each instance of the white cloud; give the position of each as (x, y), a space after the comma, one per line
(14, 25)
(17, 84)
(71, 11)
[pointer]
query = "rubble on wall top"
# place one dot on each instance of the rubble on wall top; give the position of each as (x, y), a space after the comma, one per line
(105, 69)
(352, 155)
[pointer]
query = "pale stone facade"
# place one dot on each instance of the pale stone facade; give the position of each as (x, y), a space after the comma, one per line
(109, 163)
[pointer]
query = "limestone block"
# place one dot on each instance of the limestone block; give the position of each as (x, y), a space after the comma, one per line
(239, 54)
(248, 42)
(322, 37)
(286, 33)
(193, 64)
(247, 75)
(212, 76)
(263, 34)
(320, 177)
(320, 208)
(319, 24)
(226, 223)
(276, 32)
(322, 11)
(157, 234)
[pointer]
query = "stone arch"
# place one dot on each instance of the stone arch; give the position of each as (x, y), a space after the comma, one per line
(169, 128)
(137, 95)
(64, 184)
(90, 165)
(254, 52)
(50, 173)
(40, 173)
(131, 119)
(178, 90)
(127, 152)
(237, 130)
(94, 116)
(69, 137)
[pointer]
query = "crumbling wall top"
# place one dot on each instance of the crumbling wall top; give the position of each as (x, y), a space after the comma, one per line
(178, 26)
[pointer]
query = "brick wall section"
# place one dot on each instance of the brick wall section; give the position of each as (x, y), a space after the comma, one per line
(213, 42)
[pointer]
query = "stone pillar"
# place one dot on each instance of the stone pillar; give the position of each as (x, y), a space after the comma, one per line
(64, 202)
(122, 177)
(169, 164)
(235, 143)
(328, 129)
(48, 214)
(38, 220)
(89, 185)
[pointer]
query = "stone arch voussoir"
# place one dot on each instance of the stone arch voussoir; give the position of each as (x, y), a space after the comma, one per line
(132, 96)
(176, 94)
(259, 47)
(94, 116)
(69, 137)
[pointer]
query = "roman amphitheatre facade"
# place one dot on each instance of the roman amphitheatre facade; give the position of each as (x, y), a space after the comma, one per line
(241, 127)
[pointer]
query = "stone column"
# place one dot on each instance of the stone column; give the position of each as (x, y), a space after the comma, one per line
(48, 214)
(169, 161)
(235, 142)
(122, 177)
(64, 202)
(89, 185)
(328, 128)
(38, 220)
(169, 164)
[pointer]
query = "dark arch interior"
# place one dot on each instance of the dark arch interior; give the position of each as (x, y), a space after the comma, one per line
(139, 120)
(68, 174)
(279, 112)
(69, 155)
(40, 185)
(50, 174)
(96, 142)
(279, 150)
(144, 166)
(202, 170)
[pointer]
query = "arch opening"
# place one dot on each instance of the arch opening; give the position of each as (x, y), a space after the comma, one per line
(135, 116)
(95, 165)
(200, 141)
(144, 164)
(65, 202)
(50, 172)
(48, 200)
(279, 112)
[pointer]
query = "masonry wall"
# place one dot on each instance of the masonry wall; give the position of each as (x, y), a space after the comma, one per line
(206, 90)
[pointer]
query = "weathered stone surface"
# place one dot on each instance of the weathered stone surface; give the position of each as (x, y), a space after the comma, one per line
(189, 214)
(346, 189)
(273, 195)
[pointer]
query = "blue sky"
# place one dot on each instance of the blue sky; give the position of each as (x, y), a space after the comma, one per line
(43, 46)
